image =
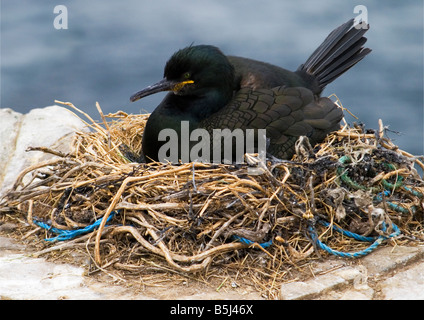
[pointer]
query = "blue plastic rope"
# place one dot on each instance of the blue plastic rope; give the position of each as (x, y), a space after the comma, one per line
(250, 242)
(70, 234)
(342, 173)
(348, 233)
(387, 185)
(393, 206)
(373, 246)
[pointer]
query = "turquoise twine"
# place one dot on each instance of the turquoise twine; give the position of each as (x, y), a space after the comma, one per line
(379, 197)
(393, 206)
(250, 242)
(358, 254)
(387, 185)
(70, 234)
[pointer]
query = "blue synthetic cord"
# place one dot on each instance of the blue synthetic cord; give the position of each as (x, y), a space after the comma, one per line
(393, 206)
(250, 242)
(379, 197)
(387, 185)
(348, 233)
(373, 246)
(70, 234)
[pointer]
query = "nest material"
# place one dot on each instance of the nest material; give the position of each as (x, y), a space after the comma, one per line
(186, 217)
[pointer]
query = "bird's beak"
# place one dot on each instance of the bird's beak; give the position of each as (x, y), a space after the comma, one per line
(163, 85)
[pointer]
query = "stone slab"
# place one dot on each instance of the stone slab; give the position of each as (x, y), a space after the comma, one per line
(319, 285)
(389, 258)
(41, 127)
(405, 285)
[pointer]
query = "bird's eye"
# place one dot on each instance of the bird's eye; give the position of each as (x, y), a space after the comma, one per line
(187, 75)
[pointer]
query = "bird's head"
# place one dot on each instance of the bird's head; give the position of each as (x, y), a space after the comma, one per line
(194, 71)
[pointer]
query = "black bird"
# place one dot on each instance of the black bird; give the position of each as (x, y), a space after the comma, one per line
(214, 91)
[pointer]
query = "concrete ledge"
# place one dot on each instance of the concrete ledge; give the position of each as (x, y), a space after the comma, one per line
(319, 285)
(388, 273)
(391, 258)
(23, 277)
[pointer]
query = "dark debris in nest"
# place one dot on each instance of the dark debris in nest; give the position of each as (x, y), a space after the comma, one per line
(187, 218)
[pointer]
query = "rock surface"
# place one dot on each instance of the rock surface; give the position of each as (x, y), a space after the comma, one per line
(45, 127)
(24, 277)
(399, 277)
(386, 274)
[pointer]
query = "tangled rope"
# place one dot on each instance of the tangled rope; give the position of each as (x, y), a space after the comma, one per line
(377, 240)
(342, 173)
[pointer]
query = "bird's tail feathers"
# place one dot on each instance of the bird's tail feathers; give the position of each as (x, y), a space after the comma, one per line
(340, 51)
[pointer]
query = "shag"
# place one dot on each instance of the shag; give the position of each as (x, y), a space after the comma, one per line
(213, 91)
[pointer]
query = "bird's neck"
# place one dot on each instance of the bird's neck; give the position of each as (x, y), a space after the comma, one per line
(173, 110)
(200, 107)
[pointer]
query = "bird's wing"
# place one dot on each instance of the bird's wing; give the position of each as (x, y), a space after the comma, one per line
(285, 112)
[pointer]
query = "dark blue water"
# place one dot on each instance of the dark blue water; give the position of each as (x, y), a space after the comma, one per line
(113, 48)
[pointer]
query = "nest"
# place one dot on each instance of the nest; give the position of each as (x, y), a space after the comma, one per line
(200, 219)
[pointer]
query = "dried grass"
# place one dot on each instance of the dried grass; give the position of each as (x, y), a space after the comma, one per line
(181, 219)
